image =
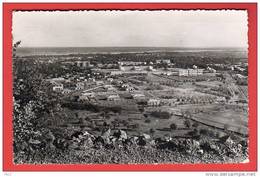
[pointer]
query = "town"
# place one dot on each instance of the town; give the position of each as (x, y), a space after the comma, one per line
(164, 98)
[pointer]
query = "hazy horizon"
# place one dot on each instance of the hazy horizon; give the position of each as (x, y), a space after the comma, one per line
(175, 47)
(29, 51)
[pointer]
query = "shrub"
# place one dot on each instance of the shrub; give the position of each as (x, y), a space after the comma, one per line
(187, 123)
(196, 124)
(147, 121)
(173, 126)
(152, 131)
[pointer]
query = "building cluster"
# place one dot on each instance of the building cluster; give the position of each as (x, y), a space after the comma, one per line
(83, 64)
(190, 72)
(111, 88)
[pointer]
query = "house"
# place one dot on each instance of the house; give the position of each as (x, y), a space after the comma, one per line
(80, 86)
(57, 87)
(183, 72)
(86, 96)
(89, 94)
(109, 87)
(130, 89)
(130, 63)
(239, 76)
(66, 91)
(211, 70)
(110, 79)
(113, 98)
(138, 96)
(239, 68)
(200, 71)
(226, 139)
(119, 82)
(153, 102)
(125, 86)
(99, 82)
(190, 72)
(83, 63)
(83, 98)
(91, 79)
(163, 61)
(136, 68)
(150, 68)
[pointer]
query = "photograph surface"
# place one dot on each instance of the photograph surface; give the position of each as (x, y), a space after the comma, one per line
(130, 87)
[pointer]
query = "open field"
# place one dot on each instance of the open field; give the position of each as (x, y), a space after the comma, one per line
(179, 100)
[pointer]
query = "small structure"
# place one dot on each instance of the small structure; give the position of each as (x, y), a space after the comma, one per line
(130, 89)
(220, 99)
(138, 96)
(83, 63)
(109, 87)
(87, 96)
(57, 87)
(66, 91)
(125, 86)
(80, 86)
(58, 79)
(113, 98)
(190, 72)
(211, 70)
(163, 61)
(99, 82)
(110, 79)
(195, 67)
(183, 72)
(153, 102)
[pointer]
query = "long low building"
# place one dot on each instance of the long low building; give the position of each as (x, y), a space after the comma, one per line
(190, 72)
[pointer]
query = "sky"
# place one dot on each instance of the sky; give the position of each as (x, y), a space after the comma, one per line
(200, 28)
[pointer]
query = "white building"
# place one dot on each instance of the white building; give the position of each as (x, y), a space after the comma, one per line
(195, 67)
(87, 96)
(211, 70)
(190, 72)
(125, 86)
(130, 89)
(58, 87)
(66, 91)
(153, 102)
(113, 98)
(110, 79)
(183, 72)
(138, 96)
(99, 82)
(83, 63)
(109, 87)
(163, 61)
(80, 86)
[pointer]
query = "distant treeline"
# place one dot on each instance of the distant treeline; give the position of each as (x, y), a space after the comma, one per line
(90, 107)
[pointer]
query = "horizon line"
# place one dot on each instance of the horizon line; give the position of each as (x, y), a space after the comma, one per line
(130, 47)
